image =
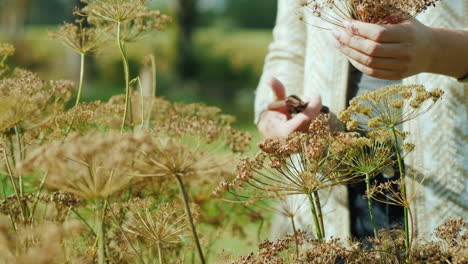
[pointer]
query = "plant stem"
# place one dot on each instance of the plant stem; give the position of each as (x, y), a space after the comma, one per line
(295, 235)
(15, 188)
(371, 211)
(12, 149)
(160, 254)
(318, 208)
(84, 221)
(80, 86)
(20, 150)
(403, 191)
(101, 234)
(190, 218)
(153, 71)
(124, 234)
(316, 221)
(126, 73)
(41, 186)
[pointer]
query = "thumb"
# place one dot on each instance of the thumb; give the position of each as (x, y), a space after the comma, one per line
(278, 89)
(314, 106)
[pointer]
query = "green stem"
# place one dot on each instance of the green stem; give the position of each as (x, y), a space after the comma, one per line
(371, 211)
(160, 254)
(153, 71)
(41, 186)
(190, 218)
(80, 86)
(293, 225)
(316, 221)
(403, 191)
(20, 150)
(318, 208)
(124, 234)
(101, 234)
(84, 221)
(126, 73)
(15, 188)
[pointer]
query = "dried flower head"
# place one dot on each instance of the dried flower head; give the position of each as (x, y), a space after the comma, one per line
(364, 156)
(6, 50)
(299, 164)
(200, 122)
(389, 107)
(92, 166)
(133, 17)
(390, 192)
(368, 11)
(28, 101)
(163, 225)
(47, 243)
(83, 40)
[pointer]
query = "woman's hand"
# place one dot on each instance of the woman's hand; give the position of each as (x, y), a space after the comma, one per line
(278, 123)
(394, 52)
(390, 52)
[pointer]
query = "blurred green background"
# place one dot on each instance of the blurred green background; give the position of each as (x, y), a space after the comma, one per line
(212, 52)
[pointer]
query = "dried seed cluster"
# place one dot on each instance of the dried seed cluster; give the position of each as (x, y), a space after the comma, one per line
(369, 11)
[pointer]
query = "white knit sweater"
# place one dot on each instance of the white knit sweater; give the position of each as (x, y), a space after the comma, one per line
(305, 60)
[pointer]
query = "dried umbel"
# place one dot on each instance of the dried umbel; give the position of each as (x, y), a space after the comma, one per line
(81, 39)
(27, 101)
(389, 107)
(203, 124)
(365, 156)
(276, 171)
(163, 226)
(300, 164)
(134, 17)
(93, 166)
(6, 50)
(42, 244)
(336, 12)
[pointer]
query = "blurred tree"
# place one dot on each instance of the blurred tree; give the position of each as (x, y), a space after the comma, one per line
(253, 14)
(49, 12)
(186, 13)
(13, 17)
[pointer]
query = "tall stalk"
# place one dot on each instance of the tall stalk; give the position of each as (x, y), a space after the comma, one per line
(126, 73)
(100, 231)
(160, 257)
(15, 189)
(318, 208)
(403, 191)
(190, 217)
(118, 222)
(80, 86)
(369, 204)
(21, 157)
(318, 231)
(293, 225)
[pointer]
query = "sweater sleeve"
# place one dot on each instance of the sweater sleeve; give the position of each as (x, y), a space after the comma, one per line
(285, 58)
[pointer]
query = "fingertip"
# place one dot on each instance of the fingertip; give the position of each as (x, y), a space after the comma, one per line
(278, 88)
(314, 100)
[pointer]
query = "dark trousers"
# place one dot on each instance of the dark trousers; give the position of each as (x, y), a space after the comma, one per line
(386, 216)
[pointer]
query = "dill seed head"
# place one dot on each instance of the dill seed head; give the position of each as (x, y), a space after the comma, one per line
(299, 164)
(92, 166)
(389, 107)
(28, 101)
(6, 50)
(364, 156)
(133, 16)
(369, 11)
(163, 225)
(83, 40)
